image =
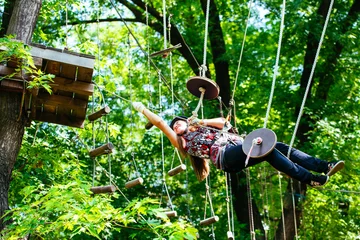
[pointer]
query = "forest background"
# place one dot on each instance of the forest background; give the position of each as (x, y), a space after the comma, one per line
(49, 195)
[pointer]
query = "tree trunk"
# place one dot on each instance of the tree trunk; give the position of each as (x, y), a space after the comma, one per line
(12, 121)
(11, 133)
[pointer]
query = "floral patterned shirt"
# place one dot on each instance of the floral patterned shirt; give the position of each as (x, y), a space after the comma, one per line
(207, 143)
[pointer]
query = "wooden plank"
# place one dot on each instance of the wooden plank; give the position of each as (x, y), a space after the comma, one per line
(81, 96)
(84, 74)
(52, 67)
(67, 71)
(48, 108)
(11, 86)
(57, 100)
(59, 119)
(5, 71)
(38, 62)
(65, 110)
(64, 57)
(70, 85)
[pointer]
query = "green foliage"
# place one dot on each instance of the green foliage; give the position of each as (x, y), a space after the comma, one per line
(19, 53)
(54, 200)
(53, 171)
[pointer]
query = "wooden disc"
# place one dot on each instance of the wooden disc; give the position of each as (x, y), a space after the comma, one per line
(268, 138)
(194, 83)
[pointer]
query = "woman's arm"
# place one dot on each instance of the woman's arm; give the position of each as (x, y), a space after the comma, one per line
(212, 122)
(158, 122)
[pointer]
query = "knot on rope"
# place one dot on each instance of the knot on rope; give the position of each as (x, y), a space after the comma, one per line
(203, 70)
(231, 102)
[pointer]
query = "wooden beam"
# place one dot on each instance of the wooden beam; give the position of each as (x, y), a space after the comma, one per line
(68, 71)
(58, 100)
(84, 74)
(11, 86)
(5, 71)
(65, 84)
(63, 56)
(59, 119)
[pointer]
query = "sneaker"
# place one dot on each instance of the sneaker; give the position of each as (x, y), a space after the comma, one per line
(334, 167)
(319, 180)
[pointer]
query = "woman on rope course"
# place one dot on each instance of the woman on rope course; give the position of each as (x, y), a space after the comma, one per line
(201, 140)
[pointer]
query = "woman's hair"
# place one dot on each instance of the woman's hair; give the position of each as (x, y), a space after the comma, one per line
(201, 166)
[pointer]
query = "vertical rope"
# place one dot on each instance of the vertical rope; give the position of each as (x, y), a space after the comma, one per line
(242, 48)
(305, 96)
(203, 67)
(171, 69)
(162, 149)
(311, 76)
(282, 206)
(251, 217)
(148, 54)
(164, 23)
(227, 175)
(276, 62)
(66, 24)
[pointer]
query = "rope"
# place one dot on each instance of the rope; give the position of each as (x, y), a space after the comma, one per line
(144, 52)
(251, 217)
(311, 76)
(162, 151)
(148, 54)
(282, 206)
(242, 49)
(229, 214)
(114, 184)
(164, 23)
(276, 62)
(203, 68)
(293, 205)
(305, 97)
(171, 70)
(131, 99)
(66, 24)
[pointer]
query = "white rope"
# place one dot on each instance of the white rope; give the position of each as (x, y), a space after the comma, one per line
(203, 68)
(310, 77)
(282, 206)
(228, 202)
(162, 150)
(242, 49)
(171, 70)
(164, 23)
(276, 63)
(251, 217)
(293, 205)
(148, 53)
(66, 24)
(143, 51)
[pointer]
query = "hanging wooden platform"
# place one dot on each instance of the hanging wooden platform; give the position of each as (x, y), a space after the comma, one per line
(71, 86)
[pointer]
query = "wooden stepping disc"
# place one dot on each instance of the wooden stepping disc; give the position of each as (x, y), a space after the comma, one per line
(265, 142)
(195, 83)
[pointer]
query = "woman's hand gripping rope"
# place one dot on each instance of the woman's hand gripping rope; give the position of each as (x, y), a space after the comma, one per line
(139, 106)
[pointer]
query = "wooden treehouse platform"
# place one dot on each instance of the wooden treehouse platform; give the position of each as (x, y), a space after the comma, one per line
(71, 86)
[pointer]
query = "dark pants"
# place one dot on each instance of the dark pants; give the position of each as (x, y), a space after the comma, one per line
(298, 168)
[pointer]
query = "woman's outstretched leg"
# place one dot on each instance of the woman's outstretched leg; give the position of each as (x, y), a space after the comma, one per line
(279, 161)
(309, 162)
